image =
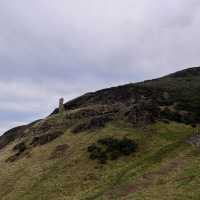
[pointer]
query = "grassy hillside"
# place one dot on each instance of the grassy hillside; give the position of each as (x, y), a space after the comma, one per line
(164, 165)
(138, 141)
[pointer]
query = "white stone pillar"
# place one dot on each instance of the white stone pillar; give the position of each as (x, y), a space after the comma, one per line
(61, 105)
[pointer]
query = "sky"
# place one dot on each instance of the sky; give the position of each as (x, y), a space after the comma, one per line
(60, 48)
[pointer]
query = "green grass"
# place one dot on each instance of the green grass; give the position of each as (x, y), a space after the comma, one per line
(73, 176)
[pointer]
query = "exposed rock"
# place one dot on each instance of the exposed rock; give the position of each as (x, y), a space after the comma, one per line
(92, 124)
(144, 112)
(44, 139)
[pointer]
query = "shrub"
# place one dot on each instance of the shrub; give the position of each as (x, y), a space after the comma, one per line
(111, 149)
(187, 118)
(21, 147)
(171, 115)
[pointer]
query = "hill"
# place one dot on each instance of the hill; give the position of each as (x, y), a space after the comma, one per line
(136, 141)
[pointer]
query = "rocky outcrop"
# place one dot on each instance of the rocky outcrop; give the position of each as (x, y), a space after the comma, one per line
(92, 124)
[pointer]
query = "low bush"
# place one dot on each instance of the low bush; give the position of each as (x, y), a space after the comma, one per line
(186, 118)
(19, 149)
(111, 149)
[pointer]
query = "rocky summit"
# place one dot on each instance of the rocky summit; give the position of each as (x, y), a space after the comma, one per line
(136, 141)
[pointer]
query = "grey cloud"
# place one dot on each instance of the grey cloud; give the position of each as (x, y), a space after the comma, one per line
(65, 48)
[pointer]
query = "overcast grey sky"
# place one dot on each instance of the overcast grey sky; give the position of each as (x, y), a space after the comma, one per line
(54, 48)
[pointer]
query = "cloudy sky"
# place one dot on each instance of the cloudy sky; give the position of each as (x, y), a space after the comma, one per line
(54, 48)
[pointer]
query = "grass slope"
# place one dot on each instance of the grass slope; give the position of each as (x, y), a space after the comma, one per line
(164, 167)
